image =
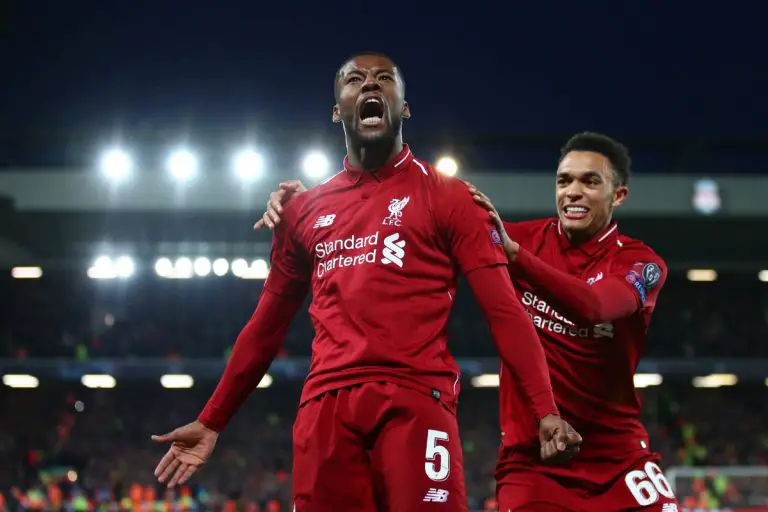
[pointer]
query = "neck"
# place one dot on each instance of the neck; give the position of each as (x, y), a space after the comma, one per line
(372, 156)
(579, 237)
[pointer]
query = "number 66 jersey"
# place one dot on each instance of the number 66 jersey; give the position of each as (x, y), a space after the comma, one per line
(591, 304)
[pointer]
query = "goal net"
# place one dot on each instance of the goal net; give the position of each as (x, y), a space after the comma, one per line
(720, 489)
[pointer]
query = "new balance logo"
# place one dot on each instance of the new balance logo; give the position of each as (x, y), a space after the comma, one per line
(669, 507)
(394, 250)
(324, 221)
(436, 496)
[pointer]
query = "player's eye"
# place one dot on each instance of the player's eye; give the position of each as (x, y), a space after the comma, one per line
(354, 79)
(386, 77)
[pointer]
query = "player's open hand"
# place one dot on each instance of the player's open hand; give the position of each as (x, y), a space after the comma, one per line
(191, 445)
(559, 441)
(285, 192)
(510, 246)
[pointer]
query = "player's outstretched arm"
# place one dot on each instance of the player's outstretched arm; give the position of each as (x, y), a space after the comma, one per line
(605, 301)
(522, 353)
(277, 199)
(255, 349)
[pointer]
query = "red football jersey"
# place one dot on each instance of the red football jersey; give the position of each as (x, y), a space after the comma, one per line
(591, 366)
(382, 252)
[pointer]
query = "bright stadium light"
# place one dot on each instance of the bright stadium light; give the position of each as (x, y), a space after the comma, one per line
(115, 164)
(220, 267)
(177, 381)
(183, 268)
(258, 269)
(447, 166)
(715, 380)
(316, 165)
(702, 275)
(265, 381)
(763, 276)
(20, 381)
(98, 381)
(248, 165)
(26, 272)
(240, 267)
(182, 165)
(486, 380)
(124, 266)
(164, 267)
(644, 380)
(202, 267)
(103, 268)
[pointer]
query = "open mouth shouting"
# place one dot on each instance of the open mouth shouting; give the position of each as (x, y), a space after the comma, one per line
(370, 110)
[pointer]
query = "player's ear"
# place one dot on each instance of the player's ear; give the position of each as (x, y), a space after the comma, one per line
(406, 112)
(336, 116)
(620, 195)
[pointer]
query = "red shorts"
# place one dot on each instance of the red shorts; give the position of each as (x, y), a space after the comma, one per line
(639, 487)
(377, 447)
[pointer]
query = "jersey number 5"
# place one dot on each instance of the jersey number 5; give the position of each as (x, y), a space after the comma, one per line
(438, 460)
(647, 485)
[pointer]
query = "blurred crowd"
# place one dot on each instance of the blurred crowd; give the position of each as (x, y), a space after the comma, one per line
(200, 318)
(66, 447)
(63, 445)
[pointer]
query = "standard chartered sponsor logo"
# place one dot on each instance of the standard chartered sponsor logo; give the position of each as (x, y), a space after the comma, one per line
(336, 253)
(547, 319)
(356, 250)
(394, 250)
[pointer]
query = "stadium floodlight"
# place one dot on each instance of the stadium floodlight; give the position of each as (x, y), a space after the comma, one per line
(202, 267)
(177, 381)
(316, 165)
(447, 166)
(124, 266)
(116, 164)
(486, 380)
(240, 267)
(715, 380)
(182, 165)
(26, 272)
(644, 380)
(248, 165)
(183, 268)
(258, 269)
(220, 267)
(164, 267)
(702, 275)
(98, 381)
(763, 276)
(20, 381)
(265, 381)
(103, 268)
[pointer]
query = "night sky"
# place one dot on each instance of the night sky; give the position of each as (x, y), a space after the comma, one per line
(88, 69)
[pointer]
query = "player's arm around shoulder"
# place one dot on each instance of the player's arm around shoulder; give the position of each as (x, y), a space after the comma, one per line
(465, 227)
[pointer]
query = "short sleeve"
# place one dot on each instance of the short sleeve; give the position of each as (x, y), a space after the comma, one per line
(643, 271)
(472, 239)
(290, 271)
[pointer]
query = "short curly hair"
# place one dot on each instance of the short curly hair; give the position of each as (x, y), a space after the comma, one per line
(616, 153)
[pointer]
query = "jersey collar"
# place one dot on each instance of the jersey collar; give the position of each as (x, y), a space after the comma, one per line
(605, 238)
(395, 165)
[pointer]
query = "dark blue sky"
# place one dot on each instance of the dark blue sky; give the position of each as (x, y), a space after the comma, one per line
(647, 68)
